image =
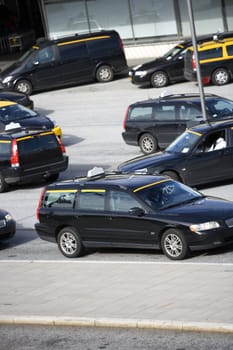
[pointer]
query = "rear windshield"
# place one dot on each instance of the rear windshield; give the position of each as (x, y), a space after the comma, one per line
(37, 143)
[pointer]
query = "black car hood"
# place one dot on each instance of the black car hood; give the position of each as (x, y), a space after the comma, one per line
(201, 210)
(37, 122)
(152, 64)
(152, 160)
(11, 70)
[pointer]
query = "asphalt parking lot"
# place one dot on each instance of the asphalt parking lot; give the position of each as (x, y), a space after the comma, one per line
(91, 117)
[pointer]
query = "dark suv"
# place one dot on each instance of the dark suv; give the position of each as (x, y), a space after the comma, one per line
(131, 211)
(153, 124)
(27, 156)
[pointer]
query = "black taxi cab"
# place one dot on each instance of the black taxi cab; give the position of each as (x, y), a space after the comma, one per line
(201, 155)
(216, 61)
(131, 211)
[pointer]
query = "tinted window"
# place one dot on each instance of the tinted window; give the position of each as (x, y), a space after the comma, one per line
(62, 199)
(141, 113)
(91, 199)
(164, 111)
(71, 52)
(45, 55)
(121, 201)
(37, 143)
(213, 53)
(189, 112)
(100, 47)
(230, 50)
(5, 148)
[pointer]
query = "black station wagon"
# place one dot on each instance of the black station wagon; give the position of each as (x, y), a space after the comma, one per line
(132, 211)
(153, 124)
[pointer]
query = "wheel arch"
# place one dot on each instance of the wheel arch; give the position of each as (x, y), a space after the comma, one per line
(61, 227)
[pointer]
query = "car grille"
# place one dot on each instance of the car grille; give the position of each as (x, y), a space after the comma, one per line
(229, 222)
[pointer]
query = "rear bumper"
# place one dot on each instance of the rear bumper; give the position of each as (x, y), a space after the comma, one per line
(19, 175)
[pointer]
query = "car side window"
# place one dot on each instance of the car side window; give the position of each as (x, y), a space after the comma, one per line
(165, 111)
(46, 55)
(212, 53)
(91, 199)
(230, 50)
(122, 201)
(213, 142)
(188, 112)
(59, 199)
(141, 113)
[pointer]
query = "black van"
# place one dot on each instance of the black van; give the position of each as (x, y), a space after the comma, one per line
(65, 61)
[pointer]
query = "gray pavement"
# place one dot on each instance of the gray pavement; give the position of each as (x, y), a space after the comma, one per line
(181, 296)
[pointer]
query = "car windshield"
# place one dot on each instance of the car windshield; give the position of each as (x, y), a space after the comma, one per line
(184, 143)
(174, 51)
(15, 112)
(217, 107)
(167, 193)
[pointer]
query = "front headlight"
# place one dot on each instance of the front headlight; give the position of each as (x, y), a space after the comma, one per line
(8, 217)
(205, 226)
(7, 79)
(141, 73)
(141, 171)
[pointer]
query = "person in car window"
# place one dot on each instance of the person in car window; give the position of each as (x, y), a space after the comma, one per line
(219, 143)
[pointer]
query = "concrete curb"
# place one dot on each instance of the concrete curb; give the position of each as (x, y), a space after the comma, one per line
(118, 322)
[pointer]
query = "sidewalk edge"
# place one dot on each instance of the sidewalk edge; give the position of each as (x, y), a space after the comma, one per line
(118, 322)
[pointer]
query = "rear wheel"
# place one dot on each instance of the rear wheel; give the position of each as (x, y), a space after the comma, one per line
(148, 143)
(24, 86)
(220, 76)
(174, 245)
(104, 74)
(69, 243)
(159, 79)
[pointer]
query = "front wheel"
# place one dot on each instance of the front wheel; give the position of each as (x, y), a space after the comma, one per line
(220, 76)
(69, 243)
(24, 86)
(159, 79)
(172, 175)
(104, 74)
(174, 244)
(148, 143)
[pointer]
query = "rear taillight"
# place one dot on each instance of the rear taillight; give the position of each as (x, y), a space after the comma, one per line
(194, 63)
(14, 154)
(62, 147)
(125, 117)
(40, 203)
(121, 44)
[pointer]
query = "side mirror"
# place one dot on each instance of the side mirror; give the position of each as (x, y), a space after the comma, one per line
(136, 211)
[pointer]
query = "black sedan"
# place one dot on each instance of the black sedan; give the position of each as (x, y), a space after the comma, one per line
(7, 225)
(201, 155)
(14, 115)
(17, 97)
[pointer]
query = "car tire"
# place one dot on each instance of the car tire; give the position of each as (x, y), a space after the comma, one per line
(24, 86)
(4, 187)
(69, 243)
(148, 143)
(174, 245)
(172, 175)
(104, 74)
(159, 79)
(220, 76)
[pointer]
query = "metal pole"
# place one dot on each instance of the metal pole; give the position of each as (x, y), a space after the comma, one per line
(194, 41)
